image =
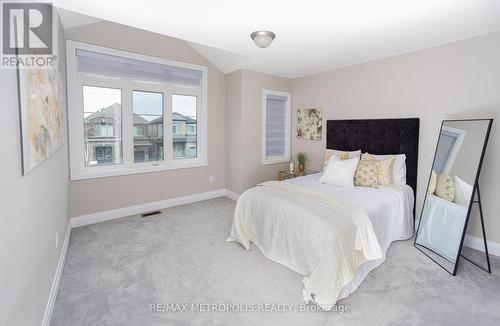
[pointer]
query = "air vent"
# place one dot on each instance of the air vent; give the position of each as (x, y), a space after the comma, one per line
(150, 214)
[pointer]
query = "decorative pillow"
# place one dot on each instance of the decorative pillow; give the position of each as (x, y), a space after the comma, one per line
(340, 172)
(463, 192)
(366, 174)
(399, 168)
(432, 183)
(343, 155)
(384, 170)
(445, 187)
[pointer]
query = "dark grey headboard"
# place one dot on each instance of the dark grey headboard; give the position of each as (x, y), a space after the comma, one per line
(378, 136)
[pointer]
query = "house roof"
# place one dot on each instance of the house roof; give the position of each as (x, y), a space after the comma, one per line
(110, 113)
(180, 117)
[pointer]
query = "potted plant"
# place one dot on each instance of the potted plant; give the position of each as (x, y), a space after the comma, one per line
(302, 158)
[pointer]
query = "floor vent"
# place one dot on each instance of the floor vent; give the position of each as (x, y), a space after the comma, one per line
(151, 214)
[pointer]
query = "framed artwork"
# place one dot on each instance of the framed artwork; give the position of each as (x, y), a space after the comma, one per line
(40, 115)
(309, 124)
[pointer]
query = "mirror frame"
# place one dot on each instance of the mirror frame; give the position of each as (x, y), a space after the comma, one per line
(471, 201)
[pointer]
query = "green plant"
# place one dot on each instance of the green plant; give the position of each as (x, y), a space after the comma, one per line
(302, 158)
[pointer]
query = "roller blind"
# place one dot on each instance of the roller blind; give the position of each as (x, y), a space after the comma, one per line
(275, 125)
(447, 141)
(115, 66)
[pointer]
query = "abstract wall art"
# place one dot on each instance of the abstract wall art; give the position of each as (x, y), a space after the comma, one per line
(40, 115)
(309, 124)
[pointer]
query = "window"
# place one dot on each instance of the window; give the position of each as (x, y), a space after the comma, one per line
(130, 113)
(102, 124)
(276, 127)
(450, 141)
(148, 123)
(184, 108)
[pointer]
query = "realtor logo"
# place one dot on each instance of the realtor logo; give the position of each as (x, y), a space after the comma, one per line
(28, 34)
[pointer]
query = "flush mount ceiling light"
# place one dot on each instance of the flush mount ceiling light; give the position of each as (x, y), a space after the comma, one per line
(263, 38)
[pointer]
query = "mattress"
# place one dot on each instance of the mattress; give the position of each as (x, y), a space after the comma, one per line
(389, 208)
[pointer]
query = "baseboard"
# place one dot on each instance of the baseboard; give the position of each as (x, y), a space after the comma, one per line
(143, 208)
(57, 278)
(231, 194)
(114, 214)
(470, 241)
(478, 244)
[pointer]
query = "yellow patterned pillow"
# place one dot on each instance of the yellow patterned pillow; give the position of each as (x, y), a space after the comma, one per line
(384, 170)
(343, 156)
(340, 155)
(432, 183)
(445, 188)
(366, 174)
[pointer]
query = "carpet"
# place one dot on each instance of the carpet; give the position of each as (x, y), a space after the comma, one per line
(177, 269)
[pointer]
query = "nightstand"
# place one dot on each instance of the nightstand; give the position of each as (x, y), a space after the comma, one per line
(285, 174)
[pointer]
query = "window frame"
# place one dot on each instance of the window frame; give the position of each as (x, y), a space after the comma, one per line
(288, 127)
(456, 147)
(75, 83)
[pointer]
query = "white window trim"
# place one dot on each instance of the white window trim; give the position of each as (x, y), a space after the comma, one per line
(75, 116)
(456, 147)
(288, 127)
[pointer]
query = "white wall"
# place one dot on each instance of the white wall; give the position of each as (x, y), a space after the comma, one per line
(454, 81)
(469, 154)
(33, 208)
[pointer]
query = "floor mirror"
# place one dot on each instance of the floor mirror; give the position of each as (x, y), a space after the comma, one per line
(452, 190)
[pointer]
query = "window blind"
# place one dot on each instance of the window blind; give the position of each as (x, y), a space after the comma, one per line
(447, 141)
(275, 125)
(119, 67)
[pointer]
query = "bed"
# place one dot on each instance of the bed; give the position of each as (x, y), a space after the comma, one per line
(443, 227)
(334, 236)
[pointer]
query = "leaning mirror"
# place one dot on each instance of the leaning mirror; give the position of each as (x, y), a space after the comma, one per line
(452, 187)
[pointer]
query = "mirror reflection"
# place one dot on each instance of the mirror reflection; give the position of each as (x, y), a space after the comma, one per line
(450, 190)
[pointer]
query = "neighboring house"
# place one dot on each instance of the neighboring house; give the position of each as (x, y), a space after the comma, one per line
(148, 139)
(183, 136)
(103, 137)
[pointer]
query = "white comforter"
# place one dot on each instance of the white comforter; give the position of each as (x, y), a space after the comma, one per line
(314, 236)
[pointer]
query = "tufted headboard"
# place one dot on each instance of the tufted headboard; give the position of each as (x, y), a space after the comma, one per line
(378, 136)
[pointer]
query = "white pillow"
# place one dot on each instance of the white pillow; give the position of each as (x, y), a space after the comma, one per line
(463, 191)
(340, 172)
(398, 169)
(340, 154)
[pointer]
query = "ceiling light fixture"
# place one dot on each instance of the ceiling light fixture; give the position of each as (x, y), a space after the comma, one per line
(263, 38)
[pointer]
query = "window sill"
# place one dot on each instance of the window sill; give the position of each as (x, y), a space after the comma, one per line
(275, 160)
(121, 170)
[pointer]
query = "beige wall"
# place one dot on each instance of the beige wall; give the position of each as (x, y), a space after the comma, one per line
(34, 209)
(244, 137)
(233, 127)
(459, 80)
(469, 154)
(97, 195)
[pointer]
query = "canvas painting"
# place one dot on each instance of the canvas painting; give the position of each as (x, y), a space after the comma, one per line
(309, 124)
(41, 116)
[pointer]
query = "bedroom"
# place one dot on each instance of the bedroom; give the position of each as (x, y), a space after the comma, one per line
(76, 250)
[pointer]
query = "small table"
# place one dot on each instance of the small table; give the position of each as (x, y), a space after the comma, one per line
(286, 174)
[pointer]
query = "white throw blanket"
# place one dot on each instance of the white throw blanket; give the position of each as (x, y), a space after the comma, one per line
(313, 233)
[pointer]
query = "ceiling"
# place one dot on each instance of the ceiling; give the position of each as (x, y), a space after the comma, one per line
(312, 36)
(71, 19)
